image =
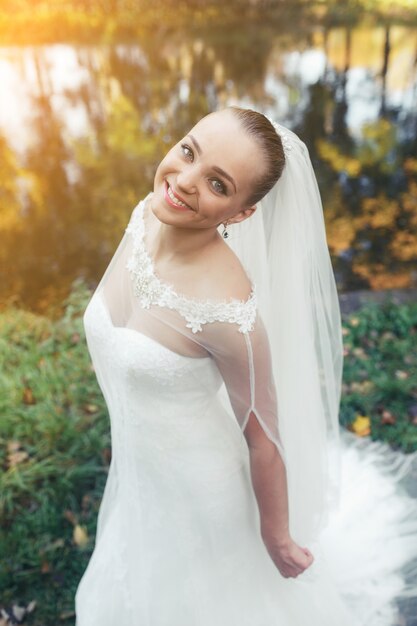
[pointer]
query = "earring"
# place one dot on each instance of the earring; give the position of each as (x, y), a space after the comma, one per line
(225, 234)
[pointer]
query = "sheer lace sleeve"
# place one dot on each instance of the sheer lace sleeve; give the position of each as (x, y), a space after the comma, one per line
(244, 361)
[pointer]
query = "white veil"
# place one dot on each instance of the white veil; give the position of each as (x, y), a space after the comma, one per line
(283, 248)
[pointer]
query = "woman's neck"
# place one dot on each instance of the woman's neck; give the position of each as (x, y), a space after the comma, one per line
(170, 242)
(182, 243)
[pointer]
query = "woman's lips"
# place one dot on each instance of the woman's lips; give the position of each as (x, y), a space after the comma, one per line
(172, 202)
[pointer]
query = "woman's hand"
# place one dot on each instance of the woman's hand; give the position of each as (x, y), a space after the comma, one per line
(290, 558)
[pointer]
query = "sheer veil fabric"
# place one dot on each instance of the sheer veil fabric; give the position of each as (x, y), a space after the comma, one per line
(283, 247)
(175, 362)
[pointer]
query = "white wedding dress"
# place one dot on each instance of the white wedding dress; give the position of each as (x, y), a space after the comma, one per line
(178, 540)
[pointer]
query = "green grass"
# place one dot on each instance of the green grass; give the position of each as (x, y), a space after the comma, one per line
(52, 414)
(55, 437)
(380, 372)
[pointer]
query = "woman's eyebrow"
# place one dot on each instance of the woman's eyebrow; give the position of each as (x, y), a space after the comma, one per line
(196, 144)
(215, 168)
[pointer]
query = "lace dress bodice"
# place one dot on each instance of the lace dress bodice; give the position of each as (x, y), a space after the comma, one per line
(146, 368)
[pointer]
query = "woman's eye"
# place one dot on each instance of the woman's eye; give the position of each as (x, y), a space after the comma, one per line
(218, 185)
(187, 151)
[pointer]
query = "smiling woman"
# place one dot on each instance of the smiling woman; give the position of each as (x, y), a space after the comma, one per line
(214, 496)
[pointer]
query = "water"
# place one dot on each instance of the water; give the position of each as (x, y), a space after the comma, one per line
(82, 129)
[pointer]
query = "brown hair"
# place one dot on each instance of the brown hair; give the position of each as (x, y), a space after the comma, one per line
(259, 127)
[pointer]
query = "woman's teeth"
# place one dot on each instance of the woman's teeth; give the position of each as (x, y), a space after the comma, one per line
(175, 200)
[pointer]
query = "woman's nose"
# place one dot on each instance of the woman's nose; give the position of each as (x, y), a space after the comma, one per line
(187, 179)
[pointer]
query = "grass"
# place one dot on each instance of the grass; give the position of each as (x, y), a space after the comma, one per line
(54, 452)
(55, 437)
(379, 396)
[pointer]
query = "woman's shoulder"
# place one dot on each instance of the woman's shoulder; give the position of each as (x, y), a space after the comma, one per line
(224, 293)
(227, 277)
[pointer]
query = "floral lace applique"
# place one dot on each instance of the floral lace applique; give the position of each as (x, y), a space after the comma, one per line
(151, 290)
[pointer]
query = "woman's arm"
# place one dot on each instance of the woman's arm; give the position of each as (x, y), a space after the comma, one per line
(244, 361)
(269, 481)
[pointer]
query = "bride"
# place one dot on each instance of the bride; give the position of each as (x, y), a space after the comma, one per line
(216, 339)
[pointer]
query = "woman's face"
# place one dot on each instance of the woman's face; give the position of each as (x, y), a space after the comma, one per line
(206, 178)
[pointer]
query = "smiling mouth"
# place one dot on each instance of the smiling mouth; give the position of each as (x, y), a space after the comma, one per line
(174, 199)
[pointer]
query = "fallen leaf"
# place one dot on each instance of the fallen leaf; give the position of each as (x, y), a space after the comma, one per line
(367, 386)
(66, 615)
(28, 397)
(86, 501)
(31, 606)
(69, 515)
(401, 375)
(80, 535)
(54, 545)
(13, 445)
(359, 352)
(15, 458)
(18, 612)
(91, 408)
(361, 387)
(106, 455)
(387, 417)
(361, 426)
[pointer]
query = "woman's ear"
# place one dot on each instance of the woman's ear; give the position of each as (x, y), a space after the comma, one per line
(242, 215)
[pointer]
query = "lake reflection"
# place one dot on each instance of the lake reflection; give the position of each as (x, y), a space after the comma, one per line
(82, 130)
